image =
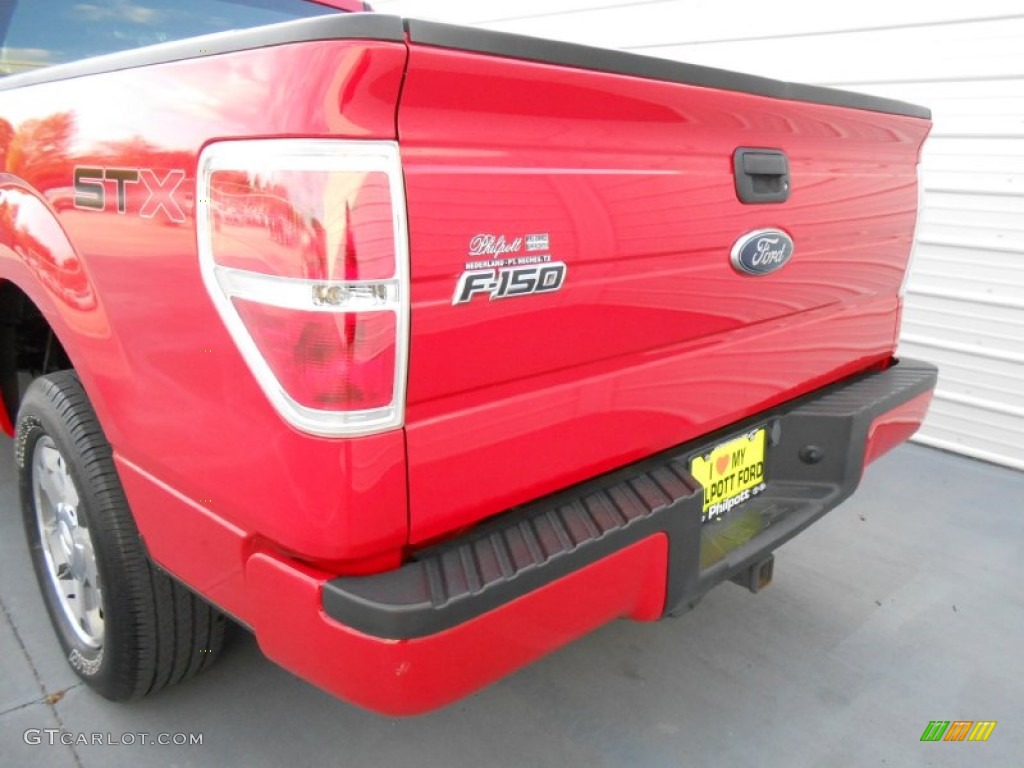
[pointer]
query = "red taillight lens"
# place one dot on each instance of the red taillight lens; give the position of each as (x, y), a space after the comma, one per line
(316, 225)
(303, 249)
(326, 360)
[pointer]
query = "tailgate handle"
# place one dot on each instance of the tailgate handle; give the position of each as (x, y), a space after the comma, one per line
(762, 175)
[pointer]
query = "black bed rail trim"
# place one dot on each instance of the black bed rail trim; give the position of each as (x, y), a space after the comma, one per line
(372, 26)
(648, 67)
(533, 545)
(340, 26)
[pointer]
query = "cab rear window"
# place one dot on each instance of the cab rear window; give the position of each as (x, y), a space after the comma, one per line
(40, 33)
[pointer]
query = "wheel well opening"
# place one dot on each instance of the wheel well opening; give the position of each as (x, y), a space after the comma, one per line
(28, 346)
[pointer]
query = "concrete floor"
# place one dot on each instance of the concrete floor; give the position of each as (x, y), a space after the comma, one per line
(902, 606)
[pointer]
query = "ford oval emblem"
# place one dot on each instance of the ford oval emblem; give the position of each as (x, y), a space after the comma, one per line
(762, 251)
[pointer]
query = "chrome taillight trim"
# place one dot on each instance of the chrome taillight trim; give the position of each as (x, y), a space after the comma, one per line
(386, 295)
(310, 295)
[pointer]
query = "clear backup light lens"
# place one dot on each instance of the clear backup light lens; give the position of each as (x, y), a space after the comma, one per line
(303, 249)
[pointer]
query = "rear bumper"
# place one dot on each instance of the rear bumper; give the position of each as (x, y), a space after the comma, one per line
(627, 544)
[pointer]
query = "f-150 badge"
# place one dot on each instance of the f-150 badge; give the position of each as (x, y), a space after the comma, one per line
(502, 268)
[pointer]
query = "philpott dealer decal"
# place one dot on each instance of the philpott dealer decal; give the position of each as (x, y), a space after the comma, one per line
(502, 268)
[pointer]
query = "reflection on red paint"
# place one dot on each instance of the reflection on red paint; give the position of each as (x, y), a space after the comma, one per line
(319, 226)
(32, 232)
(151, 380)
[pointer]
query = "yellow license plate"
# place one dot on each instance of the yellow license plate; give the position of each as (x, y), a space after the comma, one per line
(732, 473)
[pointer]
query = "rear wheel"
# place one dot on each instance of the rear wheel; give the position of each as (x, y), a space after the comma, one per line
(127, 628)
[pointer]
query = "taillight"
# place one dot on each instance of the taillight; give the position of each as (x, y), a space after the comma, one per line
(304, 251)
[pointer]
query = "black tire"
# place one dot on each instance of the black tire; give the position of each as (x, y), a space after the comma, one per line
(144, 630)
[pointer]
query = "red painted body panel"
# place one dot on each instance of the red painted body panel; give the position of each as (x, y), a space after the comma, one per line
(205, 551)
(344, 5)
(895, 427)
(407, 677)
(654, 339)
(562, 433)
(170, 387)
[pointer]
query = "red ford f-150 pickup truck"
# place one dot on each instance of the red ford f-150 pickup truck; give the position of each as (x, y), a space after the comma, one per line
(420, 350)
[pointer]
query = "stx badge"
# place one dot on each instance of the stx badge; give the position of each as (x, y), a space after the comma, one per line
(500, 268)
(91, 192)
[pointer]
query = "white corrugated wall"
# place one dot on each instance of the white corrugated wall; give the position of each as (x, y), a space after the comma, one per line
(965, 303)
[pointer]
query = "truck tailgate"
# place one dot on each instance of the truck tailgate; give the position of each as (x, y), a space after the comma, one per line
(651, 336)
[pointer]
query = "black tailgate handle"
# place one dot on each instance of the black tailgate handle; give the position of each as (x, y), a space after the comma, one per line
(762, 175)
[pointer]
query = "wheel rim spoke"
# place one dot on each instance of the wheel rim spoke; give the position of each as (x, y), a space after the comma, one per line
(46, 469)
(67, 544)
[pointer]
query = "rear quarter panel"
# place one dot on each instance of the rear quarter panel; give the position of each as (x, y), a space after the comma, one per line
(173, 394)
